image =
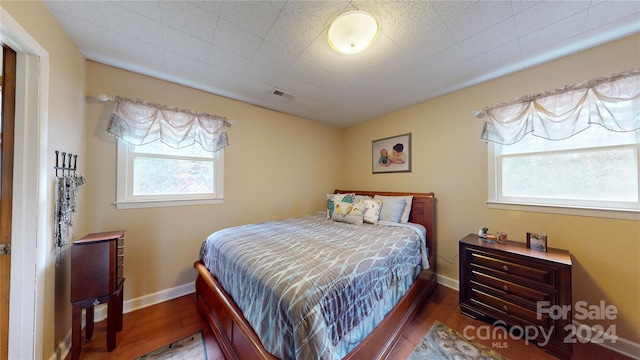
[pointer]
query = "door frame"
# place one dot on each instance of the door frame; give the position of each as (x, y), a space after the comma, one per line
(30, 224)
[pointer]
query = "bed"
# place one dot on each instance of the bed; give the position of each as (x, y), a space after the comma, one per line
(238, 339)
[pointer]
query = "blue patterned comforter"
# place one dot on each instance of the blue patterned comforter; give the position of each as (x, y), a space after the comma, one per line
(304, 283)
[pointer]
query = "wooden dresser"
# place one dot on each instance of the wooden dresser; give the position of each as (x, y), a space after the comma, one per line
(504, 283)
(97, 264)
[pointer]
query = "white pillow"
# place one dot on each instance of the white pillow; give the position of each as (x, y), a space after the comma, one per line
(348, 212)
(407, 205)
(392, 209)
(372, 211)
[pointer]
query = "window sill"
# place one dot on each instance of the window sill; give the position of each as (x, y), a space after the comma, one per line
(621, 214)
(165, 203)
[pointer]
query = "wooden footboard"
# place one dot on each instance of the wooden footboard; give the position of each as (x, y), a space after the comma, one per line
(236, 337)
(238, 340)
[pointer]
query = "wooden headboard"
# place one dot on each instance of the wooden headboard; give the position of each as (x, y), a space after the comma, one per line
(422, 212)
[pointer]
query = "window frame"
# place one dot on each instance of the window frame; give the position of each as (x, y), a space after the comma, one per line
(124, 183)
(496, 201)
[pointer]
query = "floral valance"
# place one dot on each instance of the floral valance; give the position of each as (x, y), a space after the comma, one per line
(140, 122)
(612, 102)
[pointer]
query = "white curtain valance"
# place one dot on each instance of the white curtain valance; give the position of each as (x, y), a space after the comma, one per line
(612, 102)
(140, 122)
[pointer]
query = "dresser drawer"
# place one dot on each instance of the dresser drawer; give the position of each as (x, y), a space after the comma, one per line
(528, 296)
(119, 259)
(509, 308)
(510, 267)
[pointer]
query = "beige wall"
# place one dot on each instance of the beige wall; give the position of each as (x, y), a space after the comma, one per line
(451, 161)
(276, 166)
(65, 132)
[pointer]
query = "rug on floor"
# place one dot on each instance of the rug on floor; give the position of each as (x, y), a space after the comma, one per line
(190, 348)
(442, 342)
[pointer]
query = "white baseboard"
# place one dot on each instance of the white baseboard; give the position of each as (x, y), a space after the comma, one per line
(619, 345)
(448, 282)
(64, 348)
(158, 297)
(100, 312)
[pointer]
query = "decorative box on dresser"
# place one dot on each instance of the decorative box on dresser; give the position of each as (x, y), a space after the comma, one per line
(97, 264)
(508, 283)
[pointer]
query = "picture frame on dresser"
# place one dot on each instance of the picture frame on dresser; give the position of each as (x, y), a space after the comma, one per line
(537, 241)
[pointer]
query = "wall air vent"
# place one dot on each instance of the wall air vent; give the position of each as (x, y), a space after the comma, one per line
(282, 94)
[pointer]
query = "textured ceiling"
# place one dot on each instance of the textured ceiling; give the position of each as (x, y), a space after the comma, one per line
(245, 49)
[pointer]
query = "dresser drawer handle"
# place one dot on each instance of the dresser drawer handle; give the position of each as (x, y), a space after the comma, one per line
(505, 268)
(505, 288)
(505, 308)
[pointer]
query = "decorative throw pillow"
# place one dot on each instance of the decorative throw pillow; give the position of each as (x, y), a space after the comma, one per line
(392, 209)
(358, 198)
(372, 211)
(407, 205)
(333, 198)
(348, 212)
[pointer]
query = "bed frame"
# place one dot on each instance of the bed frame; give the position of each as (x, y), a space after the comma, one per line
(238, 341)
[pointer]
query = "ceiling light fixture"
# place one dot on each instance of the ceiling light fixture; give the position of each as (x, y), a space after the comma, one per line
(353, 31)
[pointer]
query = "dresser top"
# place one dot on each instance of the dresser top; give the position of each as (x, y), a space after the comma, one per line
(514, 247)
(101, 236)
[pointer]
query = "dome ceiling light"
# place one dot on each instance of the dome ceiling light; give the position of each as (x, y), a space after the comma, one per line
(352, 32)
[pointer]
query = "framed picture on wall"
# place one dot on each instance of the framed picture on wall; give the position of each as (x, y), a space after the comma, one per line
(537, 242)
(392, 154)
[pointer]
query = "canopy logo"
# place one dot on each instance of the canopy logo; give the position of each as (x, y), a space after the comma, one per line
(575, 332)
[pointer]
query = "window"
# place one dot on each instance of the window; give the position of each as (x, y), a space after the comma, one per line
(156, 174)
(575, 147)
(167, 156)
(595, 168)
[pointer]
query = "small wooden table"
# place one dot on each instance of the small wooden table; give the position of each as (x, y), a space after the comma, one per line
(97, 262)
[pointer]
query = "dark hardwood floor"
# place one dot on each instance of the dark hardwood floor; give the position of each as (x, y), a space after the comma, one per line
(153, 327)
